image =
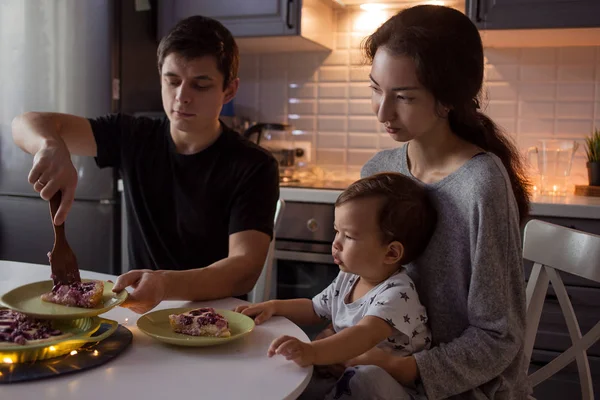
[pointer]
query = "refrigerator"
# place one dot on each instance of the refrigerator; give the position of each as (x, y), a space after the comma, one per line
(56, 56)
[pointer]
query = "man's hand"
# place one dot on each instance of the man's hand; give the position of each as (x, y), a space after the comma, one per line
(260, 311)
(293, 349)
(149, 289)
(52, 171)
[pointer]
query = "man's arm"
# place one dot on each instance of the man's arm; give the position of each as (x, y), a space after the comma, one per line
(231, 276)
(51, 138)
(34, 130)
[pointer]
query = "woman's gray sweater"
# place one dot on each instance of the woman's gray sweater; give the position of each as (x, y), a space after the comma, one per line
(470, 279)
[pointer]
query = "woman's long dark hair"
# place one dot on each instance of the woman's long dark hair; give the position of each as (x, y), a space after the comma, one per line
(448, 54)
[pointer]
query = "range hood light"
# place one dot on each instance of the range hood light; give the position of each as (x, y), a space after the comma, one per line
(373, 6)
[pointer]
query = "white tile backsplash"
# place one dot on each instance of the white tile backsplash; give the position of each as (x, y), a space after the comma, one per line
(331, 140)
(576, 91)
(333, 107)
(537, 91)
(358, 157)
(332, 124)
(536, 109)
(362, 124)
(363, 141)
(576, 73)
(539, 56)
(577, 55)
(567, 110)
(360, 107)
(501, 72)
(573, 128)
(360, 91)
(305, 107)
(532, 93)
(499, 91)
(305, 91)
(359, 73)
(538, 73)
(337, 57)
(333, 91)
(333, 74)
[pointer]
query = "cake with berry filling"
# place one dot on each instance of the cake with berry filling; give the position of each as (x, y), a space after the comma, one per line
(77, 294)
(200, 322)
(17, 329)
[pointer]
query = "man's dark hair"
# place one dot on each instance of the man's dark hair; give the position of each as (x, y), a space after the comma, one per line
(405, 214)
(200, 36)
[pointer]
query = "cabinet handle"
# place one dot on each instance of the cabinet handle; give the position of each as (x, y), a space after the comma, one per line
(478, 11)
(312, 225)
(289, 14)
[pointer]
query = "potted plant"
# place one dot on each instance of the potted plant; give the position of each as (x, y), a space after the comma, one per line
(593, 154)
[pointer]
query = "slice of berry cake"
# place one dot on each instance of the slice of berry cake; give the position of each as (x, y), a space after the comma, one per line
(77, 294)
(17, 329)
(200, 322)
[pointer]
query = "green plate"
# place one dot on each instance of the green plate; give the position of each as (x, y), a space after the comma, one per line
(27, 299)
(76, 333)
(156, 325)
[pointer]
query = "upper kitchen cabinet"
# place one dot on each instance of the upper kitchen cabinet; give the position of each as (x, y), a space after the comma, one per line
(536, 23)
(261, 26)
(536, 14)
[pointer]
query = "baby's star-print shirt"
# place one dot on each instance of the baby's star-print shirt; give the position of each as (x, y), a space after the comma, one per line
(395, 301)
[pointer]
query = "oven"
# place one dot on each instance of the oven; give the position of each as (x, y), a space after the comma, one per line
(303, 264)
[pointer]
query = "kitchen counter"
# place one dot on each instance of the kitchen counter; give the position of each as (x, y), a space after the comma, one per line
(549, 206)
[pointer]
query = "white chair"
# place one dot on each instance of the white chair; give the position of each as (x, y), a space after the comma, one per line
(262, 289)
(554, 248)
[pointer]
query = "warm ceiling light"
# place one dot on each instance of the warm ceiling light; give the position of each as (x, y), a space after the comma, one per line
(435, 2)
(373, 6)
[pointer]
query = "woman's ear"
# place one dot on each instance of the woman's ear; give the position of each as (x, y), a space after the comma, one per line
(394, 253)
(442, 110)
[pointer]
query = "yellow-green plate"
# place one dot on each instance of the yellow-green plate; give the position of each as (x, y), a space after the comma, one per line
(76, 333)
(27, 299)
(156, 325)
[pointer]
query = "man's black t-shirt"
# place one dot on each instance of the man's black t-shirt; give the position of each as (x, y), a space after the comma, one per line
(181, 209)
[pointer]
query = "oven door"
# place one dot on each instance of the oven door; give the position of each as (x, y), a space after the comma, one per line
(299, 274)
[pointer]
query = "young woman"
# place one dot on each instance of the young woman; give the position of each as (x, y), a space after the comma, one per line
(426, 76)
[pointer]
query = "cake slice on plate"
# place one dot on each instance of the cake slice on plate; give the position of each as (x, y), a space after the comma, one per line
(17, 329)
(77, 294)
(200, 322)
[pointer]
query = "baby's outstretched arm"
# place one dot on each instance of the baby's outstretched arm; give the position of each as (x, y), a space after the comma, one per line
(299, 311)
(343, 346)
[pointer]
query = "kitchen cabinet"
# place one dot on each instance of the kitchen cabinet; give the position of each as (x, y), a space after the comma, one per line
(261, 25)
(552, 337)
(534, 14)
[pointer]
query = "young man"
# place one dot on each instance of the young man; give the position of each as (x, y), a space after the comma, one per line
(200, 198)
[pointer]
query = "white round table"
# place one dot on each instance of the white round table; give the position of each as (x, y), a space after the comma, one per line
(149, 369)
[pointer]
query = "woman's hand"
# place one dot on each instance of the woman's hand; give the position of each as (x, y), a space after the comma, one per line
(261, 311)
(403, 369)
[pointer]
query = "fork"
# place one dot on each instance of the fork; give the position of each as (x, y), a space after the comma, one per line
(62, 259)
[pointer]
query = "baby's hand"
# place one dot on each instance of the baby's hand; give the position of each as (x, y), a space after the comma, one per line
(260, 311)
(293, 349)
